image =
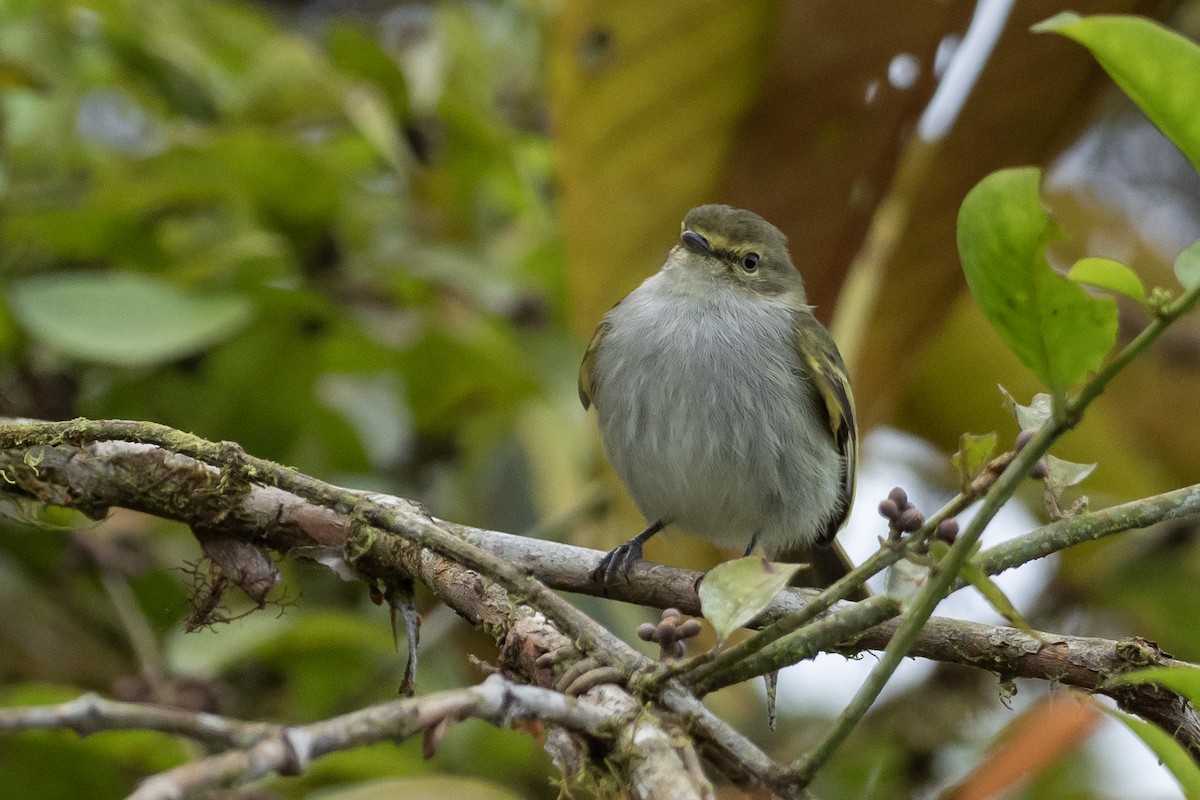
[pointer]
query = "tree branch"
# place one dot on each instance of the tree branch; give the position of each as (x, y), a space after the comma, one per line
(94, 475)
(288, 750)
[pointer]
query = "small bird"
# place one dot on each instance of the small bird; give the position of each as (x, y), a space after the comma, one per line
(723, 403)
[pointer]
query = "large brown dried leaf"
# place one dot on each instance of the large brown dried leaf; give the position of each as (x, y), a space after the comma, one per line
(645, 99)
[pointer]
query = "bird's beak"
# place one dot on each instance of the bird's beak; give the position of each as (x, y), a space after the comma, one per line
(696, 243)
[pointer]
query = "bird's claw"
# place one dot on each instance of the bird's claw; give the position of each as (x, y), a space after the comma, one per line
(618, 560)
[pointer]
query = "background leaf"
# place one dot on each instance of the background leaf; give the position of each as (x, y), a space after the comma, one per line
(1187, 266)
(122, 318)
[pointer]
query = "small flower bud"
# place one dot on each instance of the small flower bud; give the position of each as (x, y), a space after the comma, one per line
(947, 530)
(689, 629)
(646, 632)
(898, 496)
(1039, 471)
(1023, 439)
(910, 520)
(666, 633)
(888, 509)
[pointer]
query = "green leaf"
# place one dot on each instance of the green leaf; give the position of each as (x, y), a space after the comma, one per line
(1052, 324)
(1060, 473)
(1187, 266)
(1181, 680)
(1170, 752)
(1104, 273)
(974, 450)
(1155, 66)
(356, 52)
(1032, 416)
(123, 319)
(367, 109)
(996, 598)
(737, 591)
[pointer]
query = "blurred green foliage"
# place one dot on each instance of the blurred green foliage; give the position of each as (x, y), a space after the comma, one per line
(329, 240)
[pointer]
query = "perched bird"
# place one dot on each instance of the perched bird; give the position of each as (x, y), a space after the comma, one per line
(723, 403)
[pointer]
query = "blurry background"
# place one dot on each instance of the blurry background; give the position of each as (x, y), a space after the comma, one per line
(370, 240)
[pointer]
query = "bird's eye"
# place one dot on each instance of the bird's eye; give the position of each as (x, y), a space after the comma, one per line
(750, 262)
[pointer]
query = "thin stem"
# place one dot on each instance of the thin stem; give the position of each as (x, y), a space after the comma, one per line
(698, 670)
(1096, 386)
(942, 576)
(843, 625)
(703, 668)
(1070, 531)
(946, 571)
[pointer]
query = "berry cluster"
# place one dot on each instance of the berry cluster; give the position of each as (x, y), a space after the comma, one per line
(670, 633)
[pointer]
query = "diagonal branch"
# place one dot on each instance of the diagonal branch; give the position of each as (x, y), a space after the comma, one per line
(93, 476)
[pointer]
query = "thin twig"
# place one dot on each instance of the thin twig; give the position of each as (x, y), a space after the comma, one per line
(290, 749)
(946, 571)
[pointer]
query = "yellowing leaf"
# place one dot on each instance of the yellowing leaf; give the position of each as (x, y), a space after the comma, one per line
(737, 591)
(645, 100)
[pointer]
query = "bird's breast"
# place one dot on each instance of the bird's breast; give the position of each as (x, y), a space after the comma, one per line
(707, 415)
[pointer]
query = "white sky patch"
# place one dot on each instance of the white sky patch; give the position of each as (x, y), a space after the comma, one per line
(1125, 766)
(825, 685)
(903, 70)
(1129, 167)
(969, 59)
(946, 49)
(894, 458)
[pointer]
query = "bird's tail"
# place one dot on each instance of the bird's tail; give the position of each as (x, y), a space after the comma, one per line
(826, 563)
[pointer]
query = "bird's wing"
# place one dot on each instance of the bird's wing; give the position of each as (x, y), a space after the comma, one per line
(587, 376)
(827, 372)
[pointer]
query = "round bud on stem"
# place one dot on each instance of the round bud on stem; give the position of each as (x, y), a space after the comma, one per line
(910, 520)
(888, 509)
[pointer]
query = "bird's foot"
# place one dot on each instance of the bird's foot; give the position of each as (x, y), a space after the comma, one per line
(619, 560)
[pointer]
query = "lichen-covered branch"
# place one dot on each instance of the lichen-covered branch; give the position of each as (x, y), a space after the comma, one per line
(288, 750)
(252, 750)
(95, 475)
